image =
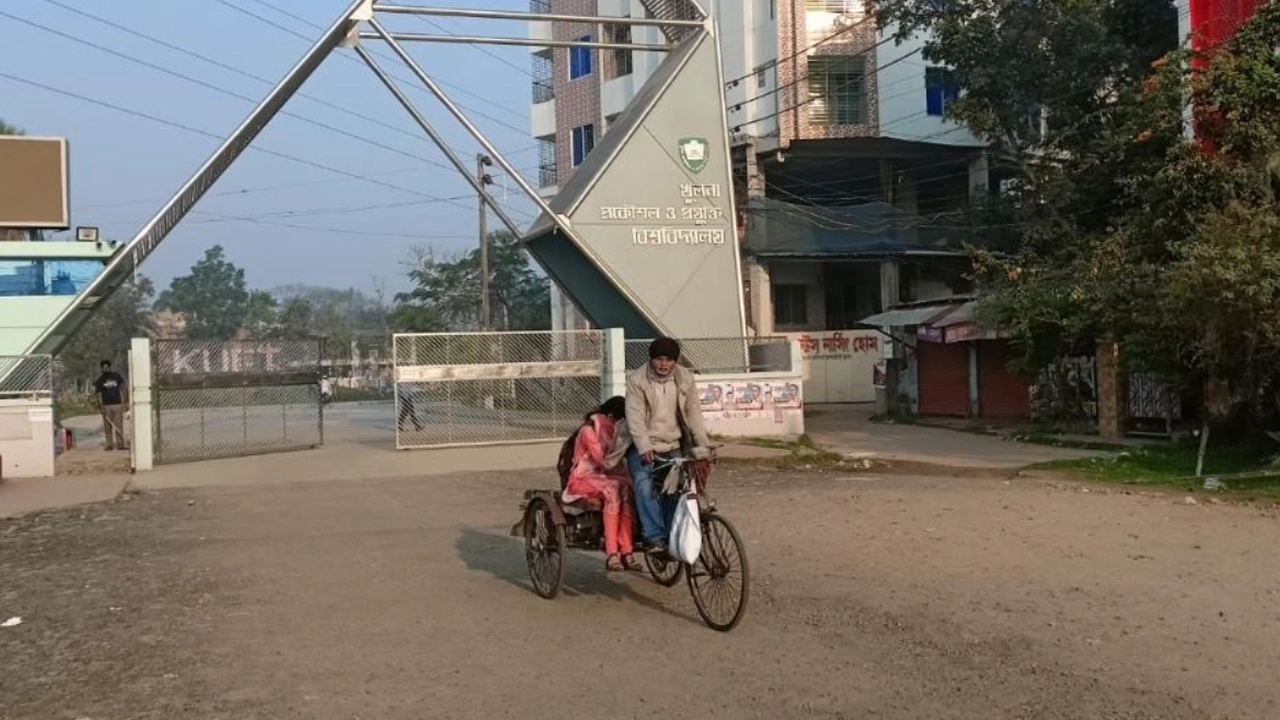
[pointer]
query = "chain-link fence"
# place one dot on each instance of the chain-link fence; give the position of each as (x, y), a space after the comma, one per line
(226, 399)
(721, 356)
(26, 376)
(361, 368)
(205, 423)
(494, 388)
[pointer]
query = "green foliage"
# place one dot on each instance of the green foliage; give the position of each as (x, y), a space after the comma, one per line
(7, 129)
(260, 321)
(1173, 465)
(1123, 227)
(296, 319)
(213, 298)
(107, 335)
(446, 293)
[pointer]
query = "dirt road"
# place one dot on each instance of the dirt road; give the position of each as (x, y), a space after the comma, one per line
(873, 597)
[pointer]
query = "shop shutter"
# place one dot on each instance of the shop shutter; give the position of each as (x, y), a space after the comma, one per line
(944, 378)
(1001, 394)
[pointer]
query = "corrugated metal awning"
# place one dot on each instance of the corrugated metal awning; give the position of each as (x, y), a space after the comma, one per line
(903, 317)
(966, 313)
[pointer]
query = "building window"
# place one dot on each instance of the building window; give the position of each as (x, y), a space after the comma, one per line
(790, 305)
(584, 139)
(622, 59)
(940, 90)
(580, 60)
(837, 90)
(42, 278)
(762, 77)
(842, 7)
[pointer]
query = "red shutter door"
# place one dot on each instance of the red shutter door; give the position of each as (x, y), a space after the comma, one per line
(1001, 394)
(944, 378)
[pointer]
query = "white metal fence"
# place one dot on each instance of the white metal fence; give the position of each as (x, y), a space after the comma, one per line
(458, 389)
(26, 376)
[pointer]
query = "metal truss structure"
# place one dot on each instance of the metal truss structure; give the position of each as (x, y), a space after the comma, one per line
(681, 22)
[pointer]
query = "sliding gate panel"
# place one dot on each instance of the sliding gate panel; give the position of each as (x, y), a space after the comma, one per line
(474, 389)
(216, 399)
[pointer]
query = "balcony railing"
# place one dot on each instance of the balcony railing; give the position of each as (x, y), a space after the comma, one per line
(539, 6)
(547, 175)
(543, 90)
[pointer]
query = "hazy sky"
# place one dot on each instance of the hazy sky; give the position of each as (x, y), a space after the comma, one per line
(283, 221)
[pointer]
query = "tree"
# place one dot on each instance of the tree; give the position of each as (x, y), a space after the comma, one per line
(262, 318)
(447, 292)
(296, 319)
(213, 298)
(107, 335)
(7, 129)
(1167, 244)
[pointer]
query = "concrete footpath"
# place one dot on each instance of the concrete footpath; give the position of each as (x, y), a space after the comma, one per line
(359, 450)
(22, 496)
(848, 430)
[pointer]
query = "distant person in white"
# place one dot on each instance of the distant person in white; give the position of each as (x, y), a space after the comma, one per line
(326, 389)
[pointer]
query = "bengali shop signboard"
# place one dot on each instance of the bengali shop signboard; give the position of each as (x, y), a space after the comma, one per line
(839, 366)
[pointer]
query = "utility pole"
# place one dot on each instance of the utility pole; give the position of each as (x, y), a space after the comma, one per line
(483, 161)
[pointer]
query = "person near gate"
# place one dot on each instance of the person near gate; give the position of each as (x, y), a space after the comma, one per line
(112, 395)
(663, 408)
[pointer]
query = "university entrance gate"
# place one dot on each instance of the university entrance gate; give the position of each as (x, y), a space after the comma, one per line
(460, 389)
(225, 399)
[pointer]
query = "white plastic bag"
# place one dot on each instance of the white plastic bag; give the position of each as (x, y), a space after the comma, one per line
(685, 543)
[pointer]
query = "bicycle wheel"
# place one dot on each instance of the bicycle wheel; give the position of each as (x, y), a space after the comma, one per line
(665, 570)
(544, 548)
(720, 581)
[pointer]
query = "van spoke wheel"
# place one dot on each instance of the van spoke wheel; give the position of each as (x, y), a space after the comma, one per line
(665, 570)
(720, 581)
(544, 548)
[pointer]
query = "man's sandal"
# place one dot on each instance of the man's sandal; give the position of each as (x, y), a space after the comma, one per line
(613, 564)
(631, 564)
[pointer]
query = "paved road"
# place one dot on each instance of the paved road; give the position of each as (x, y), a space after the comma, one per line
(873, 597)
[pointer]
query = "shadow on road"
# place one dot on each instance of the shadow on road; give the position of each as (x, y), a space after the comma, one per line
(584, 575)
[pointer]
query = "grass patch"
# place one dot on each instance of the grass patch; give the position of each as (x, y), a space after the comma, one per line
(804, 442)
(69, 406)
(802, 455)
(1242, 470)
(351, 395)
(1051, 440)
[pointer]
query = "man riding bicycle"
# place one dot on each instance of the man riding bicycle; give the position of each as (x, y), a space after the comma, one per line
(663, 409)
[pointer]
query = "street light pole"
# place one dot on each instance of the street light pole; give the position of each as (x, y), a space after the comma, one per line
(483, 161)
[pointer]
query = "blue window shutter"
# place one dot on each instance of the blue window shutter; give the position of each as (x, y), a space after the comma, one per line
(933, 100)
(580, 60)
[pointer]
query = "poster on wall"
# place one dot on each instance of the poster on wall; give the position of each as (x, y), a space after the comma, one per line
(750, 400)
(712, 397)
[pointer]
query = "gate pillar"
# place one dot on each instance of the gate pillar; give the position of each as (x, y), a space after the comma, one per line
(140, 404)
(614, 378)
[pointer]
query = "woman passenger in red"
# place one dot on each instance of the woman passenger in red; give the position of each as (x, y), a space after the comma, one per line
(593, 477)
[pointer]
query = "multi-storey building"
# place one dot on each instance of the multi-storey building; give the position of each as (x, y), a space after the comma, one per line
(851, 184)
